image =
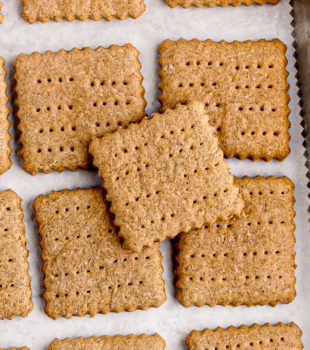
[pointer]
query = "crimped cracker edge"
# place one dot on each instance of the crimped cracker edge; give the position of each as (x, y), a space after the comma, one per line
(275, 40)
(129, 336)
(243, 326)
(185, 6)
(20, 152)
(76, 18)
(176, 250)
(7, 111)
(25, 314)
(44, 264)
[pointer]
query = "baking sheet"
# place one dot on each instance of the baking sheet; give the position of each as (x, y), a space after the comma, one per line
(159, 22)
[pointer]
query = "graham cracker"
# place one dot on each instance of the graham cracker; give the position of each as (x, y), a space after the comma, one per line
(5, 137)
(15, 289)
(244, 89)
(129, 342)
(86, 270)
(165, 176)
(65, 98)
(222, 3)
(82, 10)
(280, 336)
(248, 260)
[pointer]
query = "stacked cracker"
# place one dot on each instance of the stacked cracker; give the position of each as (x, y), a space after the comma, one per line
(163, 177)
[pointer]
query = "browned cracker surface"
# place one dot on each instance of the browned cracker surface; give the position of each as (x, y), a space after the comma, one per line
(23, 348)
(15, 290)
(66, 98)
(1, 15)
(70, 10)
(212, 3)
(247, 260)
(244, 89)
(268, 337)
(165, 175)
(5, 149)
(129, 342)
(86, 269)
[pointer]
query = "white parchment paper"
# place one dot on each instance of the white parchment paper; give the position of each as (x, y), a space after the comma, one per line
(159, 22)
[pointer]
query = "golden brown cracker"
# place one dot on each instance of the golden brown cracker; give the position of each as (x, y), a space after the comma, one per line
(1, 15)
(244, 89)
(247, 260)
(86, 269)
(15, 289)
(268, 337)
(5, 137)
(23, 348)
(165, 176)
(222, 3)
(70, 10)
(66, 98)
(129, 342)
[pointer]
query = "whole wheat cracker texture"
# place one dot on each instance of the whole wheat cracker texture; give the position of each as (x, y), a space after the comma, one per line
(15, 289)
(222, 3)
(1, 15)
(165, 176)
(129, 342)
(244, 89)
(247, 260)
(65, 98)
(86, 270)
(268, 337)
(82, 10)
(5, 137)
(23, 348)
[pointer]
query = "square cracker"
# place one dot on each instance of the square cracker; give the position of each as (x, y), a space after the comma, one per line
(66, 98)
(268, 337)
(165, 176)
(223, 3)
(5, 137)
(15, 289)
(244, 89)
(85, 267)
(70, 10)
(248, 260)
(129, 342)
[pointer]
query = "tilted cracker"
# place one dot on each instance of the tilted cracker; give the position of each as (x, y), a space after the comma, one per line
(129, 342)
(85, 267)
(268, 337)
(15, 289)
(70, 10)
(5, 137)
(247, 260)
(165, 176)
(244, 89)
(223, 3)
(66, 98)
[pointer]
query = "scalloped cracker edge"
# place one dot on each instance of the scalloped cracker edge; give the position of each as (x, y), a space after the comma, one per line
(129, 342)
(70, 10)
(280, 336)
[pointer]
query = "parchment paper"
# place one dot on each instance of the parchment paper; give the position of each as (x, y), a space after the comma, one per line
(159, 22)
